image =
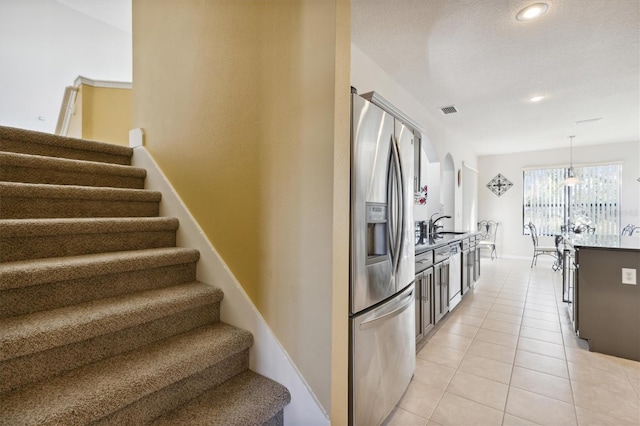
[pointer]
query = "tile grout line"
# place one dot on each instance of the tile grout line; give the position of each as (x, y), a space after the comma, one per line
(519, 335)
(504, 280)
(458, 367)
(448, 383)
(506, 401)
(564, 339)
(538, 283)
(566, 358)
(504, 410)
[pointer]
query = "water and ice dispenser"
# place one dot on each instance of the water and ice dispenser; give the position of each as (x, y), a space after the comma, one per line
(377, 237)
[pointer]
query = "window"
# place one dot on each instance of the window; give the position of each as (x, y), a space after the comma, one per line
(594, 202)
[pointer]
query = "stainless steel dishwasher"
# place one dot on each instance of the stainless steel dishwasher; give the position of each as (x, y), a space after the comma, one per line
(455, 275)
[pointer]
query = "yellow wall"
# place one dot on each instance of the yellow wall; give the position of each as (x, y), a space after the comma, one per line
(244, 104)
(102, 114)
(106, 114)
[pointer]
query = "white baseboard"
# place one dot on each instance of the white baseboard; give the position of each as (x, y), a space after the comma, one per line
(542, 260)
(268, 357)
(513, 257)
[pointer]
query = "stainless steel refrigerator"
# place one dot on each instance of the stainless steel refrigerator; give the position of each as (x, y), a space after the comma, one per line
(382, 264)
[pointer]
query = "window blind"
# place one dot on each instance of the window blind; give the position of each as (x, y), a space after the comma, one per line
(594, 202)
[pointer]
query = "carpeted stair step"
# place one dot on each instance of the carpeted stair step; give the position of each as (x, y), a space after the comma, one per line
(37, 143)
(248, 399)
(32, 286)
(60, 171)
(26, 200)
(23, 239)
(39, 331)
(157, 404)
(102, 320)
(154, 379)
(40, 345)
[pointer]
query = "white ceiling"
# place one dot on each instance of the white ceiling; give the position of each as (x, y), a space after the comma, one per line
(116, 13)
(583, 55)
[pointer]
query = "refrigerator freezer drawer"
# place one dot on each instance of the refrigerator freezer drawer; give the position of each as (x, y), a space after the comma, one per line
(383, 358)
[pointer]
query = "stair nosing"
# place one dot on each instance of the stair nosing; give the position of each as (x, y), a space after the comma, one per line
(16, 159)
(44, 330)
(69, 226)
(38, 190)
(26, 273)
(99, 388)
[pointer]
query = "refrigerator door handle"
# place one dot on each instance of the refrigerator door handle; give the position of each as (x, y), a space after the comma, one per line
(375, 321)
(399, 227)
(392, 208)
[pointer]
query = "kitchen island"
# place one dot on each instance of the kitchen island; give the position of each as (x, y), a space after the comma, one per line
(606, 297)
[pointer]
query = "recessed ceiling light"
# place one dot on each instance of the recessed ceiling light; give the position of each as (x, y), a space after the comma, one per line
(532, 11)
(536, 98)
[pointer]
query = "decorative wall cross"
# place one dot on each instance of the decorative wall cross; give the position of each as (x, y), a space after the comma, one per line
(499, 185)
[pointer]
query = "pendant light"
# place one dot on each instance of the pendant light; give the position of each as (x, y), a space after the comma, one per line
(572, 180)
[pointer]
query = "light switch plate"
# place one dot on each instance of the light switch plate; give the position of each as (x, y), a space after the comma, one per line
(628, 276)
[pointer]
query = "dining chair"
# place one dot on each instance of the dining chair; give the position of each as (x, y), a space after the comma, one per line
(584, 229)
(567, 227)
(537, 249)
(488, 230)
(557, 265)
(580, 228)
(628, 230)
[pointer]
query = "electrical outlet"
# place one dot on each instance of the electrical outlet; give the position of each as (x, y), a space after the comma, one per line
(628, 276)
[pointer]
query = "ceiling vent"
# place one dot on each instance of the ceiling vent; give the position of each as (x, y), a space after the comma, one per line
(448, 109)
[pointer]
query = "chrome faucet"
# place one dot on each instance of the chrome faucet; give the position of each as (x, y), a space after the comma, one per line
(433, 228)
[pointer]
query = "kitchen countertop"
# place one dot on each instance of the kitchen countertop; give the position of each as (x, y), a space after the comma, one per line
(442, 239)
(613, 242)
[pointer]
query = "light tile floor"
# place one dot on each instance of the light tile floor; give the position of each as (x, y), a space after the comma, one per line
(508, 356)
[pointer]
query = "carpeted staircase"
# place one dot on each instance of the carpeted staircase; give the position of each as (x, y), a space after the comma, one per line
(102, 320)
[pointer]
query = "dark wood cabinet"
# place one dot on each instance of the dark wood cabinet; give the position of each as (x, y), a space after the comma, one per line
(432, 281)
(606, 308)
(424, 304)
(470, 265)
(427, 302)
(466, 279)
(476, 268)
(418, 292)
(441, 290)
